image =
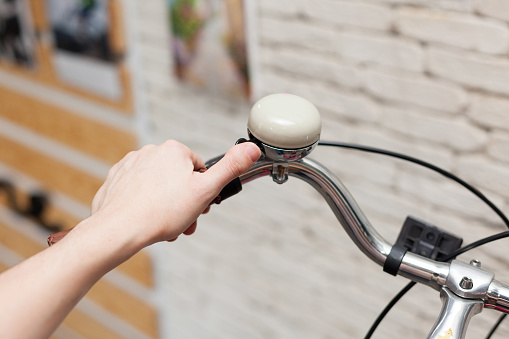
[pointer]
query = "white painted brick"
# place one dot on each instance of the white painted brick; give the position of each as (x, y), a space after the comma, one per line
(495, 8)
(311, 66)
(336, 129)
(454, 5)
(385, 139)
(452, 132)
(284, 7)
(464, 31)
(489, 111)
(361, 165)
(149, 7)
(444, 193)
(340, 104)
(397, 206)
(155, 34)
(473, 70)
(381, 50)
(485, 174)
(295, 33)
(158, 52)
(277, 83)
(498, 146)
(416, 90)
(350, 13)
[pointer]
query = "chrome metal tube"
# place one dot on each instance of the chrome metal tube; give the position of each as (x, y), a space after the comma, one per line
(353, 220)
(498, 297)
(340, 201)
(423, 270)
(345, 208)
(455, 316)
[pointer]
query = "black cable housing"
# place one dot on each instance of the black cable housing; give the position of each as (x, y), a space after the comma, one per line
(464, 249)
(423, 163)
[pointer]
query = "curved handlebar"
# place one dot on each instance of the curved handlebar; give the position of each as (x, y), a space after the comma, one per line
(442, 276)
(353, 220)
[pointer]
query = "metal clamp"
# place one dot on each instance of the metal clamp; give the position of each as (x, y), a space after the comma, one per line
(280, 172)
(468, 281)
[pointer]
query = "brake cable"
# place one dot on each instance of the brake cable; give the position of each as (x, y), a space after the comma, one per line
(464, 249)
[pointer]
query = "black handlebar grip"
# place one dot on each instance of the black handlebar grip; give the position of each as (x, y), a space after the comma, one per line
(232, 188)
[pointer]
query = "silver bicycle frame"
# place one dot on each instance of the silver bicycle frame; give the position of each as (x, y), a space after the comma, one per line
(461, 300)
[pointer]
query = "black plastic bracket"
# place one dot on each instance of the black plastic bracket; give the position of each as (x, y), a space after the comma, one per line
(427, 240)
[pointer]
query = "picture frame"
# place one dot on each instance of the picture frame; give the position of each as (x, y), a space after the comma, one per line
(211, 45)
(96, 70)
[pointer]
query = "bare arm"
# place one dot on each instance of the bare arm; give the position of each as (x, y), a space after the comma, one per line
(151, 195)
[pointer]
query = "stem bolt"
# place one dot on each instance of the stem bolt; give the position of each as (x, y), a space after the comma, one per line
(466, 283)
(475, 263)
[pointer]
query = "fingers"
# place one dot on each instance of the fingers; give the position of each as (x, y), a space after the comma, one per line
(197, 161)
(172, 146)
(191, 229)
(236, 162)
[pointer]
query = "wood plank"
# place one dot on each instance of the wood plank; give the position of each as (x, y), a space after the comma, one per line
(116, 33)
(98, 140)
(88, 327)
(55, 174)
(124, 305)
(133, 310)
(138, 267)
(45, 73)
(38, 11)
(82, 323)
(3, 267)
(52, 214)
(18, 242)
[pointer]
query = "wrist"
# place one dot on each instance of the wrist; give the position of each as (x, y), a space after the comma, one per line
(105, 239)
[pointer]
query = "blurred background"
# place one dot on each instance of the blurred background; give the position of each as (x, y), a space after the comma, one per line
(82, 82)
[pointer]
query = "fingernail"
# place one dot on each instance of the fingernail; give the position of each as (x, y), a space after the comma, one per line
(253, 151)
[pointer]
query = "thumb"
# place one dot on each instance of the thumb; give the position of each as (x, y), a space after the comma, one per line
(238, 160)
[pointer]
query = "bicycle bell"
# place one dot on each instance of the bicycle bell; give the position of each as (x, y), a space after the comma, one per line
(286, 127)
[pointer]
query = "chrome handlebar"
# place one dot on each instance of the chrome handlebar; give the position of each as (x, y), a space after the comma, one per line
(460, 300)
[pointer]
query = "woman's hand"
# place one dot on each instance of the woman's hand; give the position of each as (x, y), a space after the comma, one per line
(157, 192)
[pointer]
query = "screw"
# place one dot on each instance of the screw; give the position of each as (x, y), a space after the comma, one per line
(466, 283)
(475, 263)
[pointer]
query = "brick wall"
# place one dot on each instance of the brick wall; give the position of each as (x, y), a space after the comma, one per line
(426, 78)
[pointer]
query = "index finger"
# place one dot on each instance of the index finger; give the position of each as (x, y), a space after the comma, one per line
(198, 163)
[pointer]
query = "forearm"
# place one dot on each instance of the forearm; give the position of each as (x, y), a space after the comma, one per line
(151, 195)
(37, 294)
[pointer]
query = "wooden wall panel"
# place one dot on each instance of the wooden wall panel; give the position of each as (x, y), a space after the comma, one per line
(98, 140)
(39, 19)
(55, 174)
(17, 242)
(117, 294)
(138, 267)
(131, 309)
(88, 327)
(3, 267)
